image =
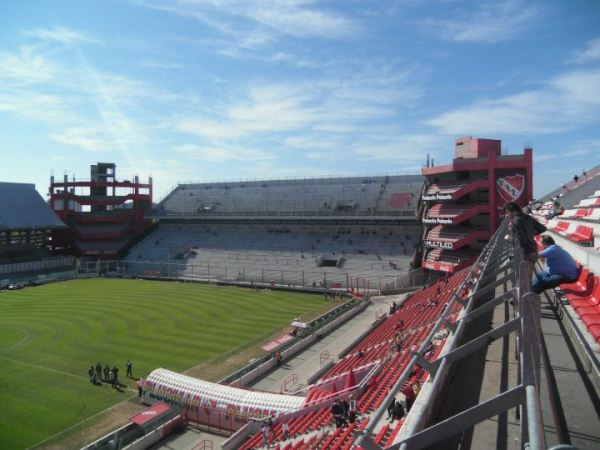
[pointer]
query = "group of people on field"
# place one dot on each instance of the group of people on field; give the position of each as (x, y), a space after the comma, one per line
(106, 374)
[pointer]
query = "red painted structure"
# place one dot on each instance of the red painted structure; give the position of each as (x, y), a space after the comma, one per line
(464, 200)
(103, 214)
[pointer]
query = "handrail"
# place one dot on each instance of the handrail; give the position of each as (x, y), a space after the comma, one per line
(527, 324)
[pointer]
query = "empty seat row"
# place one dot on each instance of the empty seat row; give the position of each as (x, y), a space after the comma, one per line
(584, 296)
(581, 234)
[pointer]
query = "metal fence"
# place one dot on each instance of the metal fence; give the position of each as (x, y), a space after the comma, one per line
(37, 266)
(369, 280)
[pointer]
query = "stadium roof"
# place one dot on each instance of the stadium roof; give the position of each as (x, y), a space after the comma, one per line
(22, 207)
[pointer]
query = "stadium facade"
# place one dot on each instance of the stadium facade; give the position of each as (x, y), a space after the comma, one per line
(463, 201)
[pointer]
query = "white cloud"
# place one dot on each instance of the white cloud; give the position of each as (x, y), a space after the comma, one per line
(83, 107)
(340, 105)
(38, 106)
(149, 64)
(591, 52)
(406, 148)
(573, 150)
(491, 22)
(83, 138)
(299, 18)
(61, 35)
(295, 18)
(26, 67)
(564, 103)
(222, 154)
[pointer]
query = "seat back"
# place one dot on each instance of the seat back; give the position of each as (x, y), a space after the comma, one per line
(586, 232)
(591, 282)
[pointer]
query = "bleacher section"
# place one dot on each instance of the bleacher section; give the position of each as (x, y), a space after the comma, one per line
(574, 191)
(584, 297)
(413, 320)
(579, 225)
(354, 196)
(263, 253)
(577, 231)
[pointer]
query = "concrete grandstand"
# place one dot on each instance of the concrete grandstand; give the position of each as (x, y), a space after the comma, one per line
(333, 232)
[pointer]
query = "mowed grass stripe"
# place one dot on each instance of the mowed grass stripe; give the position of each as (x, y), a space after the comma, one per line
(69, 326)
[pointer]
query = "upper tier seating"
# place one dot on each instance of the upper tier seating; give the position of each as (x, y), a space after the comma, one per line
(323, 197)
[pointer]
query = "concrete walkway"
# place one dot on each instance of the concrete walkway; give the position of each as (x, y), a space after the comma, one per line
(190, 439)
(487, 372)
(308, 361)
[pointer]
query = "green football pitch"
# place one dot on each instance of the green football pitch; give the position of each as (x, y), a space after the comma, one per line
(51, 334)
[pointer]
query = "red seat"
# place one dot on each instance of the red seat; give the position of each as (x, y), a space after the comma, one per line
(579, 287)
(591, 320)
(595, 331)
(561, 226)
(588, 310)
(583, 235)
(586, 301)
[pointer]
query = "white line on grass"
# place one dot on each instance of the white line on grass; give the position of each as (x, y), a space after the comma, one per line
(79, 423)
(21, 342)
(43, 368)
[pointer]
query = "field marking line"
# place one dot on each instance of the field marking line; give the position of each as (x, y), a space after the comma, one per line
(44, 368)
(80, 422)
(21, 342)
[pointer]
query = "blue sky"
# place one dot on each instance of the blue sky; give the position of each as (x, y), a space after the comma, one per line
(194, 90)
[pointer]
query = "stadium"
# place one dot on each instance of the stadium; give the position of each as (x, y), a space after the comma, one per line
(367, 312)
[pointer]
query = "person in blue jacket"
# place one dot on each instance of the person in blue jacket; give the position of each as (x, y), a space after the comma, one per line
(562, 268)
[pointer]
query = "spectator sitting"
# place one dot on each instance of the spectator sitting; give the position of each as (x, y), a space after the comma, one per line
(561, 267)
(390, 409)
(557, 210)
(398, 412)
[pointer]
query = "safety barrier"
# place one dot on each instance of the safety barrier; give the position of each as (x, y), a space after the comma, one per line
(500, 263)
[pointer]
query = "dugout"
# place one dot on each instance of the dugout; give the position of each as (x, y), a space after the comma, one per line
(144, 429)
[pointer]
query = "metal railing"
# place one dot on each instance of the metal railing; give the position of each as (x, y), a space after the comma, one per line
(500, 263)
